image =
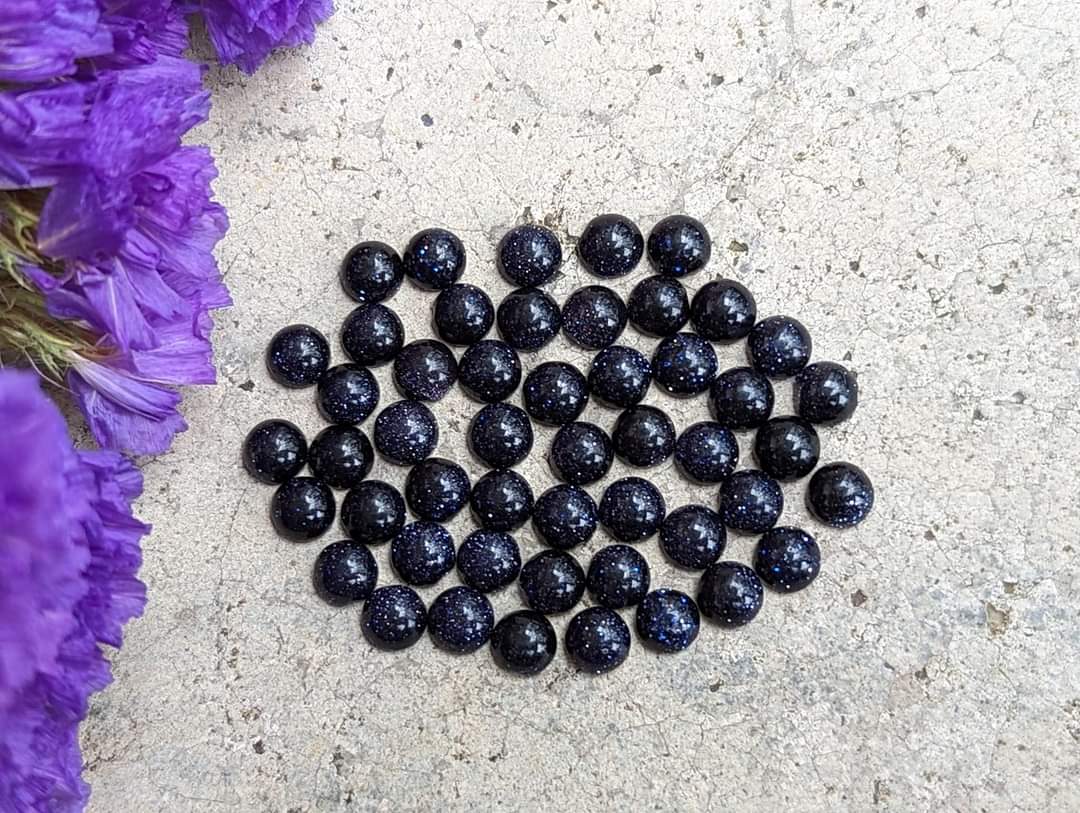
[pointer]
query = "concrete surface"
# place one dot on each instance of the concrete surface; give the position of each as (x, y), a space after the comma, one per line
(902, 176)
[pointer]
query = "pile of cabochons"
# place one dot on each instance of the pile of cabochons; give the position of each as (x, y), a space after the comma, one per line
(631, 509)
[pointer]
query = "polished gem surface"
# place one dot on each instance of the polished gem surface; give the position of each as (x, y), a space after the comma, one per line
(552, 581)
(564, 516)
(297, 356)
(501, 435)
(679, 245)
(658, 306)
(741, 398)
(684, 364)
(501, 500)
(422, 553)
(523, 642)
(610, 246)
(556, 393)
(594, 316)
(693, 536)
(581, 453)
(372, 271)
(618, 576)
(406, 432)
(463, 314)
(425, 370)
(730, 594)
(826, 392)
(434, 259)
(643, 436)
(750, 501)
(631, 509)
(597, 640)
(723, 310)
(787, 448)
(372, 335)
(529, 255)
(490, 370)
(488, 560)
(436, 489)
(707, 452)
(347, 393)
(779, 346)
(302, 509)
(394, 617)
(667, 620)
(787, 559)
(460, 619)
(373, 512)
(344, 572)
(274, 451)
(620, 376)
(528, 318)
(840, 495)
(341, 456)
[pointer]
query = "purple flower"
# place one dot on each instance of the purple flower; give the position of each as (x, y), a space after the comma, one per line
(244, 32)
(69, 553)
(41, 39)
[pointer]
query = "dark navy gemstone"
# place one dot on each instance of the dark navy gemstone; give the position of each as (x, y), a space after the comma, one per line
(564, 516)
(344, 572)
(460, 619)
(723, 310)
(372, 335)
(779, 346)
(406, 432)
(555, 393)
(341, 456)
(741, 398)
(529, 255)
(787, 559)
(373, 512)
(523, 642)
(552, 581)
(302, 509)
(679, 245)
(347, 393)
(620, 376)
(643, 436)
(501, 500)
(693, 536)
(501, 435)
(787, 448)
(434, 259)
(667, 620)
(372, 272)
(581, 453)
(274, 451)
(528, 319)
(597, 640)
(618, 576)
(684, 364)
(490, 370)
(840, 495)
(658, 306)
(436, 489)
(826, 392)
(750, 501)
(393, 617)
(631, 509)
(730, 594)
(707, 452)
(488, 560)
(610, 246)
(422, 553)
(463, 314)
(297, 356)
(594, 316)
(425, 370)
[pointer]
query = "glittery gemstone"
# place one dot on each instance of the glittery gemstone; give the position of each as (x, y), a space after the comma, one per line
(372, 512)
(750, 501)
(274, 451)
(581, 453)
(840, 495)
(488, 560)
(594, 316)
(425, 370)
(643, 436)
(555, 393)
(693, 536)
(501, 435)
(523, 642)
(779, 346)
(667, 620)
(618, 576)
(707, 452)
(620, 376)
(658, 306)
(730, 594)
(826, 392)
(297, 356)
(393, 617)
(597, 640)
(348, 393)
(787, 559)
(679, 245)
(434, 259)
(610, 246)
(528, 318)
(565, 516)
(371, 272)
(436, 489)
(372, 335)
(463, 314)
(489, 370)
(501, 500)
(422, 553)
(460, 619)
(341, 456)
(631, 509)
(406, 432)
(741, 398)
(723, 310)
(302, 509)
(787, 448)
(529, 255)
(684, 364)
(344, 572)
(552, 581)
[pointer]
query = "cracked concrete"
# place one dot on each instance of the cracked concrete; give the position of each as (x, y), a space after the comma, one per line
(902, 176)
